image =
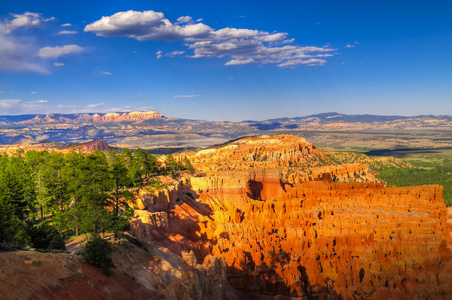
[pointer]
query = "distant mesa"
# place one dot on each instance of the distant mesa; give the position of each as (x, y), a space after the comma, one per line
(133, 116)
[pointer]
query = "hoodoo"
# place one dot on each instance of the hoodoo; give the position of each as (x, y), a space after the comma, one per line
(289, 222)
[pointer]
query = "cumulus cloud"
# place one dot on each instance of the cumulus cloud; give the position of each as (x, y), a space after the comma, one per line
(147, 25)
(68, 32)
(17, 55)
(107, 73)
(17, 106)
(27, 19)
(66, 25)
(55, 52)
(242, 46)
(58, 64)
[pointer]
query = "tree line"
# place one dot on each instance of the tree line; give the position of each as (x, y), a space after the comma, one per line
(45, 197)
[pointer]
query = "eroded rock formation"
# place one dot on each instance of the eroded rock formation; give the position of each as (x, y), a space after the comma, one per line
(288, 223)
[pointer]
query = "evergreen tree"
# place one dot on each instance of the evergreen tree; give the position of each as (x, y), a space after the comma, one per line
(75, 186)
(126, 155)
(12, 230)
(153, 163)
(138, 167)
(188, 166)
(35, 161)
(120, 196)
(55, 183)
(18, 188)
(171, 163)
(98, 252)
(95, 185)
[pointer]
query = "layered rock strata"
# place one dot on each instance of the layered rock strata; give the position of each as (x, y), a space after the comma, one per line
(293, 225)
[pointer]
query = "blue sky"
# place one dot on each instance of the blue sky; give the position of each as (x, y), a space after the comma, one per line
(226, 60)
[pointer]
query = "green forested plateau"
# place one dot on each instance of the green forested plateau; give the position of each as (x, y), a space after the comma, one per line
(47, 196)
(430, 169)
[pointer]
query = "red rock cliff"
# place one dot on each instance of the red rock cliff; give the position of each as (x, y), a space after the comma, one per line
(292, 224)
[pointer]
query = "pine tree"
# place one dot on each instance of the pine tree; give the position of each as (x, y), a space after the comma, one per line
(75, 186)
(120, 195)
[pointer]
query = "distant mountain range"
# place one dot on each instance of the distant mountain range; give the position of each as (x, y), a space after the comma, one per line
(337, 117)
(151, 129)
(133, 116)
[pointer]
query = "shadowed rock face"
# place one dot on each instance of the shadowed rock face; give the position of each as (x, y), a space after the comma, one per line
(356, 236)
(293, 225)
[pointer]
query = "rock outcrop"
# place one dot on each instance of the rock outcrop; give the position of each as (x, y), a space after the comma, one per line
(89, 147)
(289, 222)
(97, 145)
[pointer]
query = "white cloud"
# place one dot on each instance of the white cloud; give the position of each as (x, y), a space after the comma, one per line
(15, 54)
(37, 101)
(349, 46)
(66, 25)
(17, 106)
(147, 25)
(107, 73)
(95, 105)
(309, 62)
(184, 20)
(58, 64)
(242, 46)
(239, 62)
(33, 92)
(2, 92)
(68, 32)
(6, 103)
(174, 53)
(100, 108)
(27, 19)
(55, 52)
(18, 56)
(187, 96)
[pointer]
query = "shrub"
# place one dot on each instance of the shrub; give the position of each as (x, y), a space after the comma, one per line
(57, 243)
(98, 252)
(45, 236)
